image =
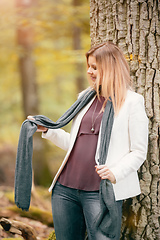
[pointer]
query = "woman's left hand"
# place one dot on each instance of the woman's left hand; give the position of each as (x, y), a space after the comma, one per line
(104, 173)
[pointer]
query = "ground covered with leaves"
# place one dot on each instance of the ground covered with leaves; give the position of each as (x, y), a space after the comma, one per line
(39, 216)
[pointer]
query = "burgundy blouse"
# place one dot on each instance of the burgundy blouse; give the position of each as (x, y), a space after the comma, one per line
(79, 172)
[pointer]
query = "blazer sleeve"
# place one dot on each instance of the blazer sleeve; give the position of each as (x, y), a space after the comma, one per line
(59, 137)
(138, 139)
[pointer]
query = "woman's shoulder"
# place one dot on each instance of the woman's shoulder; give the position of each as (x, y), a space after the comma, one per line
(136, 105)
(134, 101)
(134, 96)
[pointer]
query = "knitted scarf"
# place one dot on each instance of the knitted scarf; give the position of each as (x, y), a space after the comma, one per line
(107, 219)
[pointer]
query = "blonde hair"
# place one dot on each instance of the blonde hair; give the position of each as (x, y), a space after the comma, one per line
(113, 75)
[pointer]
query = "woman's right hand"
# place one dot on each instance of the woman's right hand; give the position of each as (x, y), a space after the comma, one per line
(39, 127)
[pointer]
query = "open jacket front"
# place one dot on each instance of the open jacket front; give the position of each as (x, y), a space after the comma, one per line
(127, 149)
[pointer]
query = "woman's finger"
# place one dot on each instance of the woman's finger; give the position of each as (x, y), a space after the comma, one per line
(105, 173)
(30, 118)
(101, 168)
(41, 128)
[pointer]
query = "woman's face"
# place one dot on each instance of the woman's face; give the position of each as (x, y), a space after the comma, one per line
(92, 68)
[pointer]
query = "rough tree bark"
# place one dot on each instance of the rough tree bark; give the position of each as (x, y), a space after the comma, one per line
(135, 26)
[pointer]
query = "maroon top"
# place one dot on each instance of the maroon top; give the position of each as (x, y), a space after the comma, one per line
(79, 172)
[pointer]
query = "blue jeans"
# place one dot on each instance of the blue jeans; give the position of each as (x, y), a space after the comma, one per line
(74, 211)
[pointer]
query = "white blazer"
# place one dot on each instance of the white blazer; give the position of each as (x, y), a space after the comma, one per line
(127, 149)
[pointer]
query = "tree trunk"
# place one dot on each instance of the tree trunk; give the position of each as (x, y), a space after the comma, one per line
(77, 46)
(25, 40)
(135, 27)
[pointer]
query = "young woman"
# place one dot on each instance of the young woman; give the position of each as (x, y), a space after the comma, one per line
(75, 188)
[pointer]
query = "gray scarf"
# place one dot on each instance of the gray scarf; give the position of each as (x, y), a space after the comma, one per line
(107, 219)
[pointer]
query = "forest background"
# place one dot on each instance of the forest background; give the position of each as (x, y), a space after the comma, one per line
(42, 70)
(55, 68)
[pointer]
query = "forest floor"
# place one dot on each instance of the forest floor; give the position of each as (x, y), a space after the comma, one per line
(38, 217)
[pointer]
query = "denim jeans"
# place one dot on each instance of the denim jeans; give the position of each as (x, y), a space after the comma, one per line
(74, 211)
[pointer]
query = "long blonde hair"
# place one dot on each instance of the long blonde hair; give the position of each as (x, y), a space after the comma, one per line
(113, 75)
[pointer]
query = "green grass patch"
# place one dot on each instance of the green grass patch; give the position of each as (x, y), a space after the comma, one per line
(10, 196)
(36, 214)
(12, 238)
(52, 236)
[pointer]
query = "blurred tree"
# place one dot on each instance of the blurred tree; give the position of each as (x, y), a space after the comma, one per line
(135, 27)
(46, 60)
(26, 42)
(77, 34)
